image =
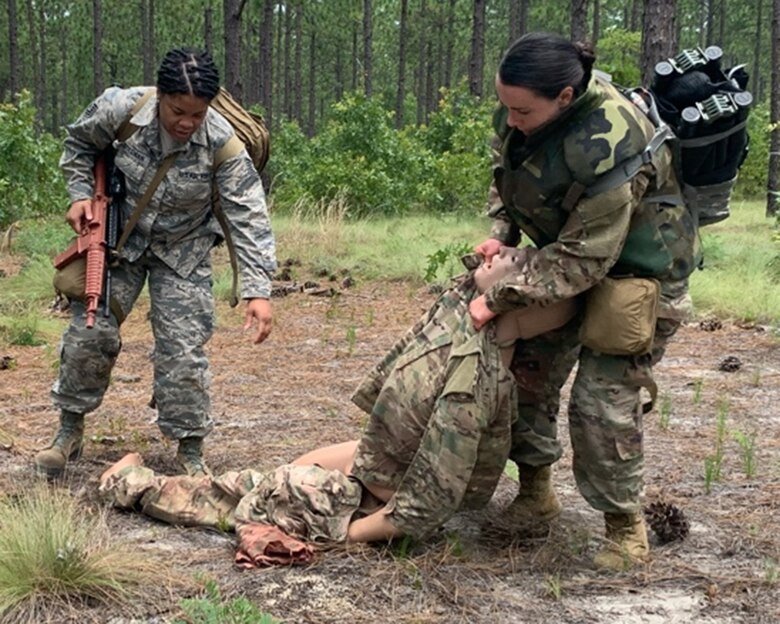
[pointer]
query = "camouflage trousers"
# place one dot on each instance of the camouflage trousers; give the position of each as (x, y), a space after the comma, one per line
(306, 502)
(605, 415)
(182, 319)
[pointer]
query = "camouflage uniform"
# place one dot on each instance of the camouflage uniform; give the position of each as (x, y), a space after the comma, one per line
(441, 406)
(170, 247)
(640, 228)
(305, 502)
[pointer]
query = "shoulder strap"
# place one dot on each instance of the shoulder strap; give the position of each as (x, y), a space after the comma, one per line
(232, 148)
(133, 220)
(127, 129)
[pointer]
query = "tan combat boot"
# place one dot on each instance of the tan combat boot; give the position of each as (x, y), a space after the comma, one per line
(66, 446)
(627, 542)
(536, 502)
(190, 457)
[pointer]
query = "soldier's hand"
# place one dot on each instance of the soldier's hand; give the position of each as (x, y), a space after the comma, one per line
(260, 311)
(480, 313)
(79, 214)
(489, 248)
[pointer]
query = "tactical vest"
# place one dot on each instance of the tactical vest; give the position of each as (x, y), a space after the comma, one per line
(539, 188)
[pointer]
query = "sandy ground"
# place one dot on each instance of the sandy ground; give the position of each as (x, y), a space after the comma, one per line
(291, 394)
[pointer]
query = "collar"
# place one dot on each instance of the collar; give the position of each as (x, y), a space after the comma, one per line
(149, 116)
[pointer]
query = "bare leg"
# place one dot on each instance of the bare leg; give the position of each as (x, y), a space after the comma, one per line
(131, 459)
(333, 457)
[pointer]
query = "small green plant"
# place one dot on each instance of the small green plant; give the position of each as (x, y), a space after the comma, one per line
(552, 586)
(447, 258)
(400, 548)
(22, 330)
(351, 339)
(697, 390)
(55, 553)
(771, 571)
(747, 451)
(712, 466)
(713, 463)
(213, 609)
(455, 545)
(666, 411)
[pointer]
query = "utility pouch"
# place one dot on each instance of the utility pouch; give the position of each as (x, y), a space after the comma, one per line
(620, 316)
(70, 280)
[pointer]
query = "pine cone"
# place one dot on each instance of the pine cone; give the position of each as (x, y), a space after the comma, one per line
(710, 325)
(667, 521)
(730, 364)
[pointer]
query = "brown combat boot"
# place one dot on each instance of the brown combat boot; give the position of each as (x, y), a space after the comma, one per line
(627, 542)
(66, 446)
(536, 502)
(190, 457)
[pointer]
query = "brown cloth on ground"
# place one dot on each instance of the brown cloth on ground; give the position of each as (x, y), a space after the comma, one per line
(265, 545)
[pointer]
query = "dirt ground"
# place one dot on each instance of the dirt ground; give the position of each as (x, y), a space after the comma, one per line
(291, 394)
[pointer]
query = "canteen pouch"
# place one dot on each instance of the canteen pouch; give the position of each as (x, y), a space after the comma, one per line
(620, 316)
(70, 280)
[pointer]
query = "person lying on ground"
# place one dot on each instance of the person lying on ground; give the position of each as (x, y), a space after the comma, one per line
(441, 405)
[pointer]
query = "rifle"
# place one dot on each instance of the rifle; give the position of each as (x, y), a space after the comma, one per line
(95, 244)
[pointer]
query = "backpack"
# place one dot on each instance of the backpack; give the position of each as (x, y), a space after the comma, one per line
(251, 134)
(701, 112)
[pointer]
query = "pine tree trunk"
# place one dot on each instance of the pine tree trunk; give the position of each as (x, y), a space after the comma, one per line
(401, 90)
(267, 61)
(450, 38)
(637, 10)
(97, 47)
(311, 124)
(64, 93)
(297, 66)
(773, 182)
(43, 82)
(279, 82)
(232, 15)
(368, 36)
(420, 69)
(757, 91)
(659, 35)
(35, 56)
(514, 20)
(578, 10)
(355, 57)
(477, 56)
(208, 28)
(596, 22)
(146, 48)
(13, 49)
(288, 28)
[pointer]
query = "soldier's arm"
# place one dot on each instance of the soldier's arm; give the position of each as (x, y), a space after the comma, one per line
(89, 135)
(502, 227)
(243, 201)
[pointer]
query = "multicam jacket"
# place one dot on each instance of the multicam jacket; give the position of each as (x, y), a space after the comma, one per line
(441, 406)
(177, 224)
(640, 228)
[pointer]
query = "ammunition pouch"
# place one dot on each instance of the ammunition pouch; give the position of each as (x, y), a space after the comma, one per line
(70, 281)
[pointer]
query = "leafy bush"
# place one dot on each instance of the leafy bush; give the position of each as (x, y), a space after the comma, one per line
(753, 174)
(618, 51)
(30, 181)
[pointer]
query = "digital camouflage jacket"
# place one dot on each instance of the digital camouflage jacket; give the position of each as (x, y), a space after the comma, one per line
(177, 224)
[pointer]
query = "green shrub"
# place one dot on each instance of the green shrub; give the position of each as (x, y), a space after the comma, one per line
(618, 52)
(753, 174)
(30, 181)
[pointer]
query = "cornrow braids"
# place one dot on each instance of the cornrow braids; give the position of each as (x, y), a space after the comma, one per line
(190, 72)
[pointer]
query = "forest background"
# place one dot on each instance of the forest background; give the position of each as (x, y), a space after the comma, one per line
(383, 104)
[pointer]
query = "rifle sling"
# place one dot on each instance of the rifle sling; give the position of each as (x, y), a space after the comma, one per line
(133, 220)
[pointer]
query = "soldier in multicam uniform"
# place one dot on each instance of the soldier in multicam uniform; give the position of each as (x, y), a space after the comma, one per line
(169, 246)
(560, 128)
(441, 406)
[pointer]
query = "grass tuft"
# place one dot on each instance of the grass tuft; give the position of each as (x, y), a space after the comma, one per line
(55, 555)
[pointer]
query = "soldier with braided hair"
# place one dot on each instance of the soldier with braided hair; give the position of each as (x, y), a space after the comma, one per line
(168, 248)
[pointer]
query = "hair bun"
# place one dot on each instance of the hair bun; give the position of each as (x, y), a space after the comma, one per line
(587, 58)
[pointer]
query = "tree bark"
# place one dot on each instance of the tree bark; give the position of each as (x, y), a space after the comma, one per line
(637, 9)
(288, 29)
(146, 47)
(401, 90)
(420, 69)
(297, 65)
(232, 10)
(355, 57)
(477, 55)
(267, 61)
(596, 22)
(368, 43)
(518, 19)
(97, 47)
(208, 28)
(578, 10)
(35, 57)
(773, 181)
(311, 123)
(44, 87)
(757, 50)
(13, 48)
(659, 35)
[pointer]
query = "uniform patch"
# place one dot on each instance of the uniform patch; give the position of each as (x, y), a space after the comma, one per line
(193, 176)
